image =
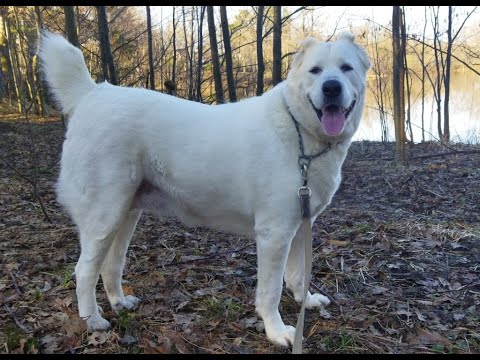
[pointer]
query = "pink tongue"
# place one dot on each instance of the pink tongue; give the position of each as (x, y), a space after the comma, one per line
(333, 122)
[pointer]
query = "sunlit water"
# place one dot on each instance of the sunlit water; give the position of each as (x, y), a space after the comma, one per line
(464, 113)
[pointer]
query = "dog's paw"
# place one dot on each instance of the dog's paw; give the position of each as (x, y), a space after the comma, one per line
(97, 323)
(316, 300)
(283, 337)
(130, 302)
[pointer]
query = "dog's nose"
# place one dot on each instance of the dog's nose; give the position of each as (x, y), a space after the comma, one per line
(332, 88)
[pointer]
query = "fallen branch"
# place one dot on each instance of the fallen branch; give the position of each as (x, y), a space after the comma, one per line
(17, 322)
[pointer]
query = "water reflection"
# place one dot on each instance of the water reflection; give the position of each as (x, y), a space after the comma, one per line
(464, 112)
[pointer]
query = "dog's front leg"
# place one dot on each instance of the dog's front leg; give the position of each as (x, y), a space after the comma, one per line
(295, 274)
(272, 252)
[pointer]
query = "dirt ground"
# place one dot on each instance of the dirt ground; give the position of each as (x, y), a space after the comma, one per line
(397, 251)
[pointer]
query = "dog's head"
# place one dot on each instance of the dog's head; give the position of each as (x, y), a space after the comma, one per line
(325, 87)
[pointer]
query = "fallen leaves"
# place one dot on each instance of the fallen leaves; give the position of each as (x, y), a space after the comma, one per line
(397, 250)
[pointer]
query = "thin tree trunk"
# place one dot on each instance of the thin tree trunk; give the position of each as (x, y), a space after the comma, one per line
(446, 115)
(398, 84)
(174, 65)
(17, 81)
(38, 83)
(5, 57)
(407, 74)
(228, 54)
(277, 45)
(187, 52)
(150, 49)
(108, 66)
(191, 92)
(423, 75)
(217, 75)
(28, 63)
(200, 54)
(260, 62)
(436, 50)
(71, 25)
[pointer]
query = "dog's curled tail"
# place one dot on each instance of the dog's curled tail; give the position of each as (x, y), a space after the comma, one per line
(64, 70)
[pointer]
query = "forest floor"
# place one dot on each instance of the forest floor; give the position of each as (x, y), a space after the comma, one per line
(397, 251)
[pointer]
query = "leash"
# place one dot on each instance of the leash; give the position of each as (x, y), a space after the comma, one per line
(304, 194)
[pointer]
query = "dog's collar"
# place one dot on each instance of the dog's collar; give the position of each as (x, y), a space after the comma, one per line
(303, 159)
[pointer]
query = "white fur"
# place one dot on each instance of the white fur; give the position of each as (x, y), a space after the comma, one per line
(232, 167)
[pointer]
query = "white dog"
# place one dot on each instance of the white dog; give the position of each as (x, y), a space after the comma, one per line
(233, 167)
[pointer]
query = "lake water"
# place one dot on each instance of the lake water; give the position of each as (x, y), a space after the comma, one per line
(464, 112)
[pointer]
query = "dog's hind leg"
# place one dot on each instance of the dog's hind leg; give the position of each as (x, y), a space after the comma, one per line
(94, 249)
(114, 263)
(295, 273)
(98, 225)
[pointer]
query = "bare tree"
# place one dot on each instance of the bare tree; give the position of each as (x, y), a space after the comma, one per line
(150, 50)
(260, 62)
(108, 66)
(8, 74)
(200, 53)
(277, 45)
(448, 59)
(398, 84)
(228, 54)
(217, 75)
(71, 25)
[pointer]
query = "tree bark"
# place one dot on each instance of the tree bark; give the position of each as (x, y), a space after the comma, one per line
(71, 25)
(5, 63)
(217, 75)
(200, 54)
(172, 89)
(398, 84)
(448, 60)
(150, 50)
(108, 66)
(260, 62)
(277, 45)
(228, 54)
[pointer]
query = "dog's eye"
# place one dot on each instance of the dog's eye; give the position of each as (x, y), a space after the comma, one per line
(346, 67)
(315, 70)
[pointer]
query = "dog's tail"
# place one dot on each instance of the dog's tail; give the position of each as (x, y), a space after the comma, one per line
(64, 70)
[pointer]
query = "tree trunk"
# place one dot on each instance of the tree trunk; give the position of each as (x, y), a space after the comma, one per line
(407, 74)
(446, 115)
(38, 83)
(17, 81)
(217, 75)
(423, 75)
(438, 85)
(71, 25)
(277, 45)
(188, 54)
(200, 54)
(191, 92)
(5, 58)
(172, 90)
(150, 49)
(398, 84)
(260, 62)
(108, 66)
(228, 54)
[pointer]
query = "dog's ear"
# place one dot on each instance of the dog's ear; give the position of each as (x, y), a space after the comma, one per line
(304, 46)
(348, 36)
(345, 35)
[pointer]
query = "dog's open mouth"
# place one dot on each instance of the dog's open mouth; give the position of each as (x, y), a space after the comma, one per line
(333, 117)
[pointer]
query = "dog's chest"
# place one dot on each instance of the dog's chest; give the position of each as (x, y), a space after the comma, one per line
(324, 177)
